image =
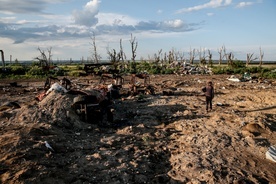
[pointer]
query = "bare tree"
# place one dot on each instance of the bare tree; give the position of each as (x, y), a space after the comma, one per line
(249, 58)
(229, 56)
(45, 61)
(224, 53)
(201, 55)
(157, 57)
(171, 56)
(122, 54)
(150, 58)
(261, 57)
(192, 54)
(182, 56)
(114, 58)
(210, 55)
(220, 51)
(95, 56)
(165, 58)
(176, 55)
(134, 45)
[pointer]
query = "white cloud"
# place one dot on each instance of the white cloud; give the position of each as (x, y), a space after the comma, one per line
(243, 4)
(210, 14)
(7, 20)
(87, 16)
(227, 2)
(22, 22)
(211, 4)
(112, 18)
(174, 23)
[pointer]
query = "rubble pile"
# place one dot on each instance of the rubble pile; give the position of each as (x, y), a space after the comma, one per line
(194, 69)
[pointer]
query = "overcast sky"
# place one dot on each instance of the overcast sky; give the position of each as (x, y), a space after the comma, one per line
(67, 26)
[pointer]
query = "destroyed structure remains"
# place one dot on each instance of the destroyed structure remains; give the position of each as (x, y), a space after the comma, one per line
(137, 128)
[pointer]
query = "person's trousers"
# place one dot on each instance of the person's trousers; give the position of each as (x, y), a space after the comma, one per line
(208, 102)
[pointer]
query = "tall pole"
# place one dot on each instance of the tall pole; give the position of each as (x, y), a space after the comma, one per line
(3, 60)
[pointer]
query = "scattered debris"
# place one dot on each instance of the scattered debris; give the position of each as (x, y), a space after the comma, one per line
(92, 107)
(56, 87)
(48, 146)
(271, 153)
(219, 104)
(234, 78)
(9, 105)
(14, 84)
(190, 69)
(246, 77)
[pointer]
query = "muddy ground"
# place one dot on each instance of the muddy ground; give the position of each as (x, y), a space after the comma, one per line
(161, 138)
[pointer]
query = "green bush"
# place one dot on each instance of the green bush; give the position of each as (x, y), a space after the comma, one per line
(57, 72)
(60, 72)
(254, 69)
(229, 71)
(239, 70)
(144, 66)
(133, 67)
(218, 70)
(36, 70)
(80, 67)
(261, 72)
(169, 71)
(265, 70)
(18, 70)
(155, 69)
(268, 73)
(238, 64)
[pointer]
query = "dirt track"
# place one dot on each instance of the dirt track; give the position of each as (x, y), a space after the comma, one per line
(161, 139)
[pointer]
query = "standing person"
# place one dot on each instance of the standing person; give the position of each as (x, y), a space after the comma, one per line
(209, 94)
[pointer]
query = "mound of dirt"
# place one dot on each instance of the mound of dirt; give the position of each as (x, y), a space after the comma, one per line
(163, 138)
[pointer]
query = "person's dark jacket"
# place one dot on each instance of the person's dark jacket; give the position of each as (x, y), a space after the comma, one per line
(209, 91)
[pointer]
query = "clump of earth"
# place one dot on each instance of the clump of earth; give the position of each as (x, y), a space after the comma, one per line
(166, 137)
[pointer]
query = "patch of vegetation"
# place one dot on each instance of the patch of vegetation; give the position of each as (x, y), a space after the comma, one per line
(75, 73)
(237, 64)
(18, 70)
(268, 73)
(239, 67)
(37, 71)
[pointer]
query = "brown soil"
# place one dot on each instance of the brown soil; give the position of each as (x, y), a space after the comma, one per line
(161, 139)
